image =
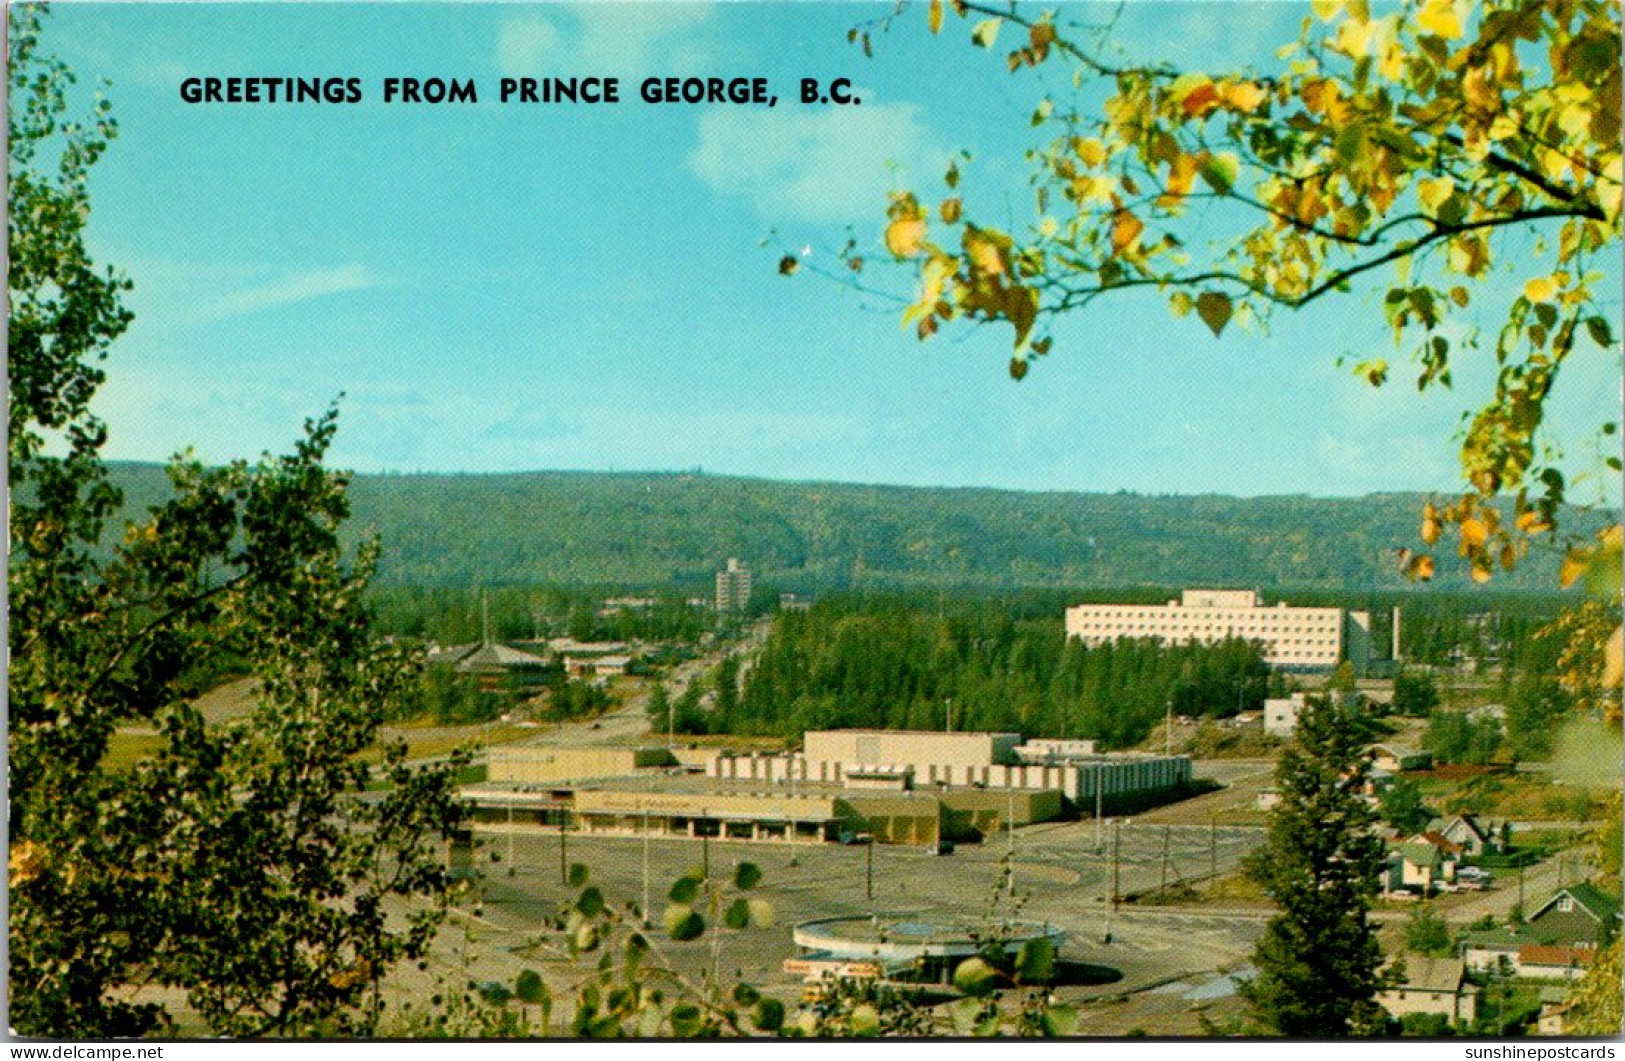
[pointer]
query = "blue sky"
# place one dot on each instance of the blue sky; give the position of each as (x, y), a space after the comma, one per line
(501, 288)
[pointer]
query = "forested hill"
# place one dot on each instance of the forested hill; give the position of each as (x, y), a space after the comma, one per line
(654, 529)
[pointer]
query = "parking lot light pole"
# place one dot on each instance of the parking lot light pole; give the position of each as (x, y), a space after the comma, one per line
(1010, 841)
(645, 867)
(1100, 788)
(564, 856)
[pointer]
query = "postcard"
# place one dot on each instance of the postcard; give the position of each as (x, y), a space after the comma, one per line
(925, 520)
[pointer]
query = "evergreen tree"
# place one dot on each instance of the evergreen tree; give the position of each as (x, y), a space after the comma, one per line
(659, 708)
(1318, 959)
(1402, 807)
(1415, 694)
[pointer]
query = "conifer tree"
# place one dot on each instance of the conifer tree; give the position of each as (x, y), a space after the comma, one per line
(1318, 960)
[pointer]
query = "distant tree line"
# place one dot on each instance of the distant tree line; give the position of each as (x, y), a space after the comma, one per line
(848, 663)
(452, 615)
(450, 698)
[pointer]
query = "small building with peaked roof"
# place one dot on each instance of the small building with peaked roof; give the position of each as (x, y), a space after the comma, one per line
(1432, 985)
(1577, 915)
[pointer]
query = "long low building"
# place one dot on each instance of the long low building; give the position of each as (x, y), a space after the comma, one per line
(893, 786)
(699, 807)
(913, 760)
(1293, 638)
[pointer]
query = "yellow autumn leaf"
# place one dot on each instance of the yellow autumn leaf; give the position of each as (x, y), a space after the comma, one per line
(905, 236)
(987, 251)
(1243, 96)
(1420, 567)
(1091, 151)
(1126, 229)
(1540, 289)
(1430, 529)
(1181, 175)
(1473, 532)
(1532, 522)
(1432, 192)
(1481, 572)
(1353, 38)
(1613, 659)
(1575, 563)
(1440, 18)
(950, 210)
(26, 862)
(934, 16)
(1326, 10)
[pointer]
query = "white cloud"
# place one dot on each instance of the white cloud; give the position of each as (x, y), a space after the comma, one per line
(292, 287)
(607, 39)
(527, 44)
(823, 165)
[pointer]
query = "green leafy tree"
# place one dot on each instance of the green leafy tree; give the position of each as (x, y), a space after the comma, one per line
(1534, 711)
(1597, 1000)
(1426, 933)
(1318, 960)
(238, 864)
(659, 708)
(1402, 807)
(1415, 694)
(1456, 737)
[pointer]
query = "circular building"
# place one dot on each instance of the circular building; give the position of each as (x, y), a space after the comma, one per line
(889, 944)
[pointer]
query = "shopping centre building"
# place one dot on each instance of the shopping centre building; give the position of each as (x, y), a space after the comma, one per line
(893, 786)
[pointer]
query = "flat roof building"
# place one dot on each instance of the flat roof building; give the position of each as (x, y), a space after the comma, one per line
(733, 587)
(1292, 638)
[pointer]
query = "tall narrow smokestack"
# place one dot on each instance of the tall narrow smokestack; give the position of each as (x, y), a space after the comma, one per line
(1394, 652)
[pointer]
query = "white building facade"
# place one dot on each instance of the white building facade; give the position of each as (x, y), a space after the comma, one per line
(1292, 638)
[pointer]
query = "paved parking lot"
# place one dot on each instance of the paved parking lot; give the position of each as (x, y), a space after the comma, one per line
(1062, 877)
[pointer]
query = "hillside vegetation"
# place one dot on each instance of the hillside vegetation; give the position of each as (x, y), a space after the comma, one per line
(652, 529)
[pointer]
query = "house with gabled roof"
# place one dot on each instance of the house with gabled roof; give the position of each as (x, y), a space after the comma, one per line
(1432, 985)
(1472, 836)
(1578, 915)
(1421, 863)
(1543, 961)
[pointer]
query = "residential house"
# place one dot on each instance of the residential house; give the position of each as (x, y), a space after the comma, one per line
(1494, 949)
(1472, 836)
(1395, 759)
(1542, 961)
(596, 666)
(1554, 1011)
(1432, 985)
(1578, 915)
(1421, 864)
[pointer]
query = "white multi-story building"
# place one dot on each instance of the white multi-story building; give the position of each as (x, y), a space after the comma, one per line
(1295, 638)
(733, 587)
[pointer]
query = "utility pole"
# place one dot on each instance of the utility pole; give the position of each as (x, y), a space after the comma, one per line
(705, 844)
(948, 715)
(1099, 795)
(1010, 841)
(645, 866)
(1166, 829)
(564, 856)
(1111, 910)
(1117, 846)
(869, 869)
